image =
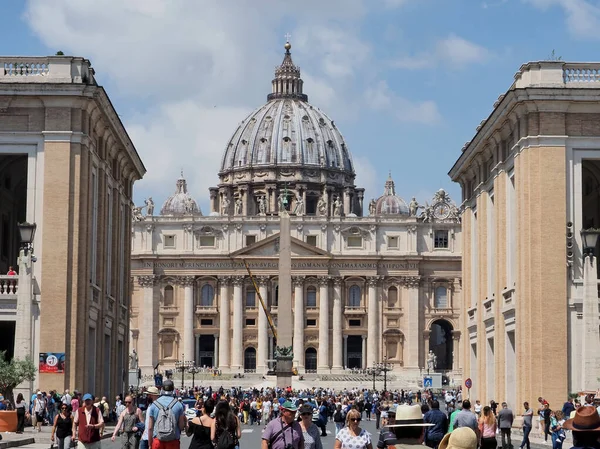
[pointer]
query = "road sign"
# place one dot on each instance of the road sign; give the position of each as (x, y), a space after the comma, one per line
(468, 383)
(427, 382)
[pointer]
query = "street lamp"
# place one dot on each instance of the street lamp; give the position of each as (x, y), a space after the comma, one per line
(372, 371)
(589, 239)
(26, 232)
(194, 369)
(385, 367)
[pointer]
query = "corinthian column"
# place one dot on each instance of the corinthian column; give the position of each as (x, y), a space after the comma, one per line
(147, 340)
(411, 358)
(338, 341)
(298, 282)
(188, 317)
(372, 329)
(323, 362)
(263, 331)
(237, 342)
(224, 324)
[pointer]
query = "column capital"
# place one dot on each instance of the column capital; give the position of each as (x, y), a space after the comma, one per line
(337, 281)
(411, 281)
(224, 280)
(237, 280)
(186, 281)
(372, 281)
(262, 281)
(298, 281)
(426, 333)
(323, 281)
(146, 281)
(455, 335)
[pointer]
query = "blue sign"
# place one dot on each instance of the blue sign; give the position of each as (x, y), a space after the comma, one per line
(427, 382)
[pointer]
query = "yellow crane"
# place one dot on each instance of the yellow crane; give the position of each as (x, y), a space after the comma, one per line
(262, 302)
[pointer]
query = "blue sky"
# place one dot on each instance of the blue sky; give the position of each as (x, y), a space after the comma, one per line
(406, 81)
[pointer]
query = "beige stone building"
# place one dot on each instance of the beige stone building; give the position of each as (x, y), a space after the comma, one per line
(530, 182)
(67, 165)
(366, 289)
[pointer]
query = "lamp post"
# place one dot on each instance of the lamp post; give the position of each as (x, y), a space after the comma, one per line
(372, 371)
(194, 369)
(385, 367)
(589, 325)
(589, 238)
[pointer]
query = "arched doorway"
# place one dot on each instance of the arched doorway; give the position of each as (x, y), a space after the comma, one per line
(441, 343)
(250, 360)
(310, 360)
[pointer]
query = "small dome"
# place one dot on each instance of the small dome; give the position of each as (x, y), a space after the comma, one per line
(180, 203)
(390, 203)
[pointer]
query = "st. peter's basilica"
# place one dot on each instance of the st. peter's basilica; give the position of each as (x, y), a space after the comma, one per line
(385, 286)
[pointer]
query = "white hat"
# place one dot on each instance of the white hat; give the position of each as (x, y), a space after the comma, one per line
(409, 416)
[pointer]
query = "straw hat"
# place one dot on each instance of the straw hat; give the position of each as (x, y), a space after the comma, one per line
(409, 416)
(586, 419)
(152, 390)
(461, 438)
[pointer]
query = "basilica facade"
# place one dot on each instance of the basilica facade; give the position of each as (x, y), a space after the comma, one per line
(384, 286)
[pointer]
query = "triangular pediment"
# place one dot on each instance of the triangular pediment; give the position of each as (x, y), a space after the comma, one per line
(269, 247)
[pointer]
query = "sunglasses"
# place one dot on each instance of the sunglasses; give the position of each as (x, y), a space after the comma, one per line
(355, 419)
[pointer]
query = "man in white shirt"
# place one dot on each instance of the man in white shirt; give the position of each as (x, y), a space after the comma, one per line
(66, 398)
(266, 411)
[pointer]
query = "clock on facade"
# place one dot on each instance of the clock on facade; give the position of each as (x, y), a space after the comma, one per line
(441, 210)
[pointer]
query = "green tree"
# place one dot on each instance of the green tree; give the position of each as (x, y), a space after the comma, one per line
(12, 373)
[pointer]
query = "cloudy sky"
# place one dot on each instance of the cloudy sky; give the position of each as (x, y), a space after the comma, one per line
(406, 81)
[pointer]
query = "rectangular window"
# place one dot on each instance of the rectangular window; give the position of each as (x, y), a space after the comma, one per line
(392, 242)
(355, 242)
(354, 323)
(250, 298)
(169, 241)
(311, 322)
(250, 322)
(206, 322)
(250, 239)
(440, 239)
(207, 241)
(311, 240)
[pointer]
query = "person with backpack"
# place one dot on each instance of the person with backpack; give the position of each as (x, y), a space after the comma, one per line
(167, 419)
(225, 430)
(284, 433)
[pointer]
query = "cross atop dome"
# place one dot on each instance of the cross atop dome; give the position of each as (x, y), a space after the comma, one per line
(287, 82)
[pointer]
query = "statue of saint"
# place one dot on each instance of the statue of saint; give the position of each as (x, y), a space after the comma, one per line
(337, 207)
(225, 206)
(238, 206)
(262, 205)
(413, 207)
(149, 207)
(189, 205)
(133, 360)
(322, 206)
(299, 209)
(283, 201)
(136, 213)
(431, 360)
(372, 207)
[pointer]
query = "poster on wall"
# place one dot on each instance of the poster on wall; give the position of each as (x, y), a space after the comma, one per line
(52, 362)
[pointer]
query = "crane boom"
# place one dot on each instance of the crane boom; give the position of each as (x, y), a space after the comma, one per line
(262, 302)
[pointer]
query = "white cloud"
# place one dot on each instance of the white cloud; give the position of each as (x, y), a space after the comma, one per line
(381, 98)
(582, 17)
(366, 177)
(453, 51)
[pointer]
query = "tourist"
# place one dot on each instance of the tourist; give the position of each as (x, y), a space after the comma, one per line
(310, 431)
(487, 429)
(478, 408)
(168, 402)
(21, 407)
(11, 271)
(435, 433)
(62, 426)
(568, 407)
(463, 438)
(266, 411)
(545, 415)
(128, 424)
(406, 428)
(200, 427)
(353, 436)
(39, 410)
(152, 394)
(466, 418)
(87, 424)
(387, 436)
(284, 432)
(339, 418)
(527, 425)
(505, 422)
(585, 427)
(557, 419)
(225, 430)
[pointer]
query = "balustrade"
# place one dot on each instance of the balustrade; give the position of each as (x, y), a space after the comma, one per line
(48, 69)
(581, 73)
(9, 286)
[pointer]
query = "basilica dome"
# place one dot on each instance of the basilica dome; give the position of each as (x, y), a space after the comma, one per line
(287, 131)
(181, 202)
(390, 203)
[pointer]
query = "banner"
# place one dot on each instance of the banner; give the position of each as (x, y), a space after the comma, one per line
(52, 362)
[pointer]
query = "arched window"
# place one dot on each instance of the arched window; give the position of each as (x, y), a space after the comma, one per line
(168, 296)
(392, 297)
(441, 298)
(250, 360)
(250, 297)
(207, 295)
(354, 299)
(311, 296)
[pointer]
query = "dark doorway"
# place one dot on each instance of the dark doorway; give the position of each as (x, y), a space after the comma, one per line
(310, 360)
(13, 206)
(354, 351)
(7, 338)
(311, 203)
(441, 343)
(250, 360)
(206, 350)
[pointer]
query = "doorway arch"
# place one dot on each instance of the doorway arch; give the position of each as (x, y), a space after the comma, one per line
(441, 343)
(310, 360)
(250, 360)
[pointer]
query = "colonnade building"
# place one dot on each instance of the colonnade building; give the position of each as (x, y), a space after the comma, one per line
(530, 181)
(366, 289)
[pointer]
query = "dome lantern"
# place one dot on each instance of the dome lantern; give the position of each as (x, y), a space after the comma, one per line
(287, 82)
(181, 202)
(390, 203)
